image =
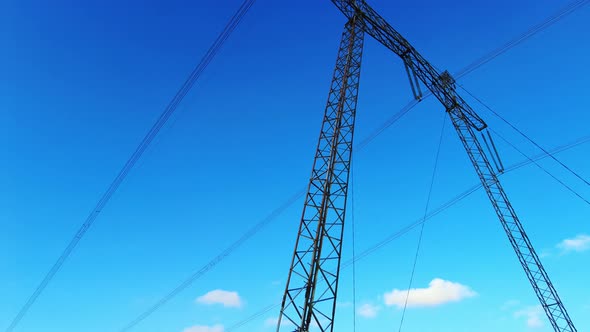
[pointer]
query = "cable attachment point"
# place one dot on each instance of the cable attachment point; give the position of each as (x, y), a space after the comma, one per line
(493, 152)
(446, 80)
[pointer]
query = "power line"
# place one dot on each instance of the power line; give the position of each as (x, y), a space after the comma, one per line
(253, 317)
(233, 247)
(362, 144)
(544, 169)
(423, 220)
(250, 233)
(353, 193)
(388, 123)
(565, 147)
(526, 136)
(462, 196)
(143, 145)
(253, 231)
(401, 323)
(556, 17)
(549, 21)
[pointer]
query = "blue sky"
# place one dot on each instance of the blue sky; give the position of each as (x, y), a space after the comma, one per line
(83, 82)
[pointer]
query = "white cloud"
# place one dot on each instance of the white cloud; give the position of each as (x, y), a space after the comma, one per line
(368, 310)
(346, 304)
(545, 253)
(203, 328)
(288, 326)
(510, 304)
(532, 315)
(438, 292)
(218, 296)
(273, 321)
(579, 243)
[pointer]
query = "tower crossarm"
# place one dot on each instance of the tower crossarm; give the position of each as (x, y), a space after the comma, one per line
(377, 27)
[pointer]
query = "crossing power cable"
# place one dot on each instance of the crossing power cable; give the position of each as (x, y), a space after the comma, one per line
(547, 22)
(235, 245)
(253, 317)
(363, 143)
(250, 233)
(367, 252)
(224, 254)
(554, 18)
(352, 219)
(570, 189)
(462, 196)
(567, 187)
(576, 174)
(442, 131)
(143, 145)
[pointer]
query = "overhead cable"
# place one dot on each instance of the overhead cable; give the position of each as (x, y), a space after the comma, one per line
(563, 184)
(440, 140)
(367, 252)
(398, 115)
(576, 174)
(141, 148)
(554, 18)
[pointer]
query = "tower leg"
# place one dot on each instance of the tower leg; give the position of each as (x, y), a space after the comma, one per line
(312, 285)
(527, 256)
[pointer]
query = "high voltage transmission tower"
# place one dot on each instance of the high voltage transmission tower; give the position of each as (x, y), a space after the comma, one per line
(309, 301)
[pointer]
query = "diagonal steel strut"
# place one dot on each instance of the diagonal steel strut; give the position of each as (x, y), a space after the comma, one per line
(310, 295)
(466, 122)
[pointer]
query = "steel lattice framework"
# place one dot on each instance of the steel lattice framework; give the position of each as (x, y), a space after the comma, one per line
(310, 295)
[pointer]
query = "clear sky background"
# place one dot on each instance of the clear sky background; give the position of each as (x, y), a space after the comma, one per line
(82, 82)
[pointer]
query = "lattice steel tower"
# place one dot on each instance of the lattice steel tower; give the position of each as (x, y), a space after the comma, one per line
(309, 301)
(310, 297)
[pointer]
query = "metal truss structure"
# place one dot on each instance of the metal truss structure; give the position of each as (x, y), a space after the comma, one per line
(310, 296)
